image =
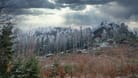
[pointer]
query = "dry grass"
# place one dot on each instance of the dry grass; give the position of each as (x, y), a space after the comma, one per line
(111, 63)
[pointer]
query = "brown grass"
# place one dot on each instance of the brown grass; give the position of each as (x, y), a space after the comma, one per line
(114, 62)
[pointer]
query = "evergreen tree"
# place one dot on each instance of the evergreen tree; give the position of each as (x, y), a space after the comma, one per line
(31, 68)
(18, 70)
(28, 68)
(6, 50)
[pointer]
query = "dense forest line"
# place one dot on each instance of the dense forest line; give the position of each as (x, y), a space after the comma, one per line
(60, 39)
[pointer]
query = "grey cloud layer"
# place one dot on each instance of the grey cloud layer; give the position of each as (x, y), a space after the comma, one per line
(124, 9)
(130, 5)
(83, 1)
(82, 19)
(46, 4)
(26, 4)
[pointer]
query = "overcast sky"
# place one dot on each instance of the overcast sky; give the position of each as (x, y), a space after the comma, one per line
(37, 13)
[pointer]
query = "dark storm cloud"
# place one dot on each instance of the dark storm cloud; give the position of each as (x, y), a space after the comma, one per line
(27, 4)
(27, 12)
(81, 4)
(78, 7)
(74, 4)
(83, 1)
(129, 3)
(20, 7)
(123, 9)
(131, 6)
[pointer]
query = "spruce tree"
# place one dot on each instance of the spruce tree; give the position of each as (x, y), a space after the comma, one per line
(28, 68)
(6, 51)
(31, 68)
